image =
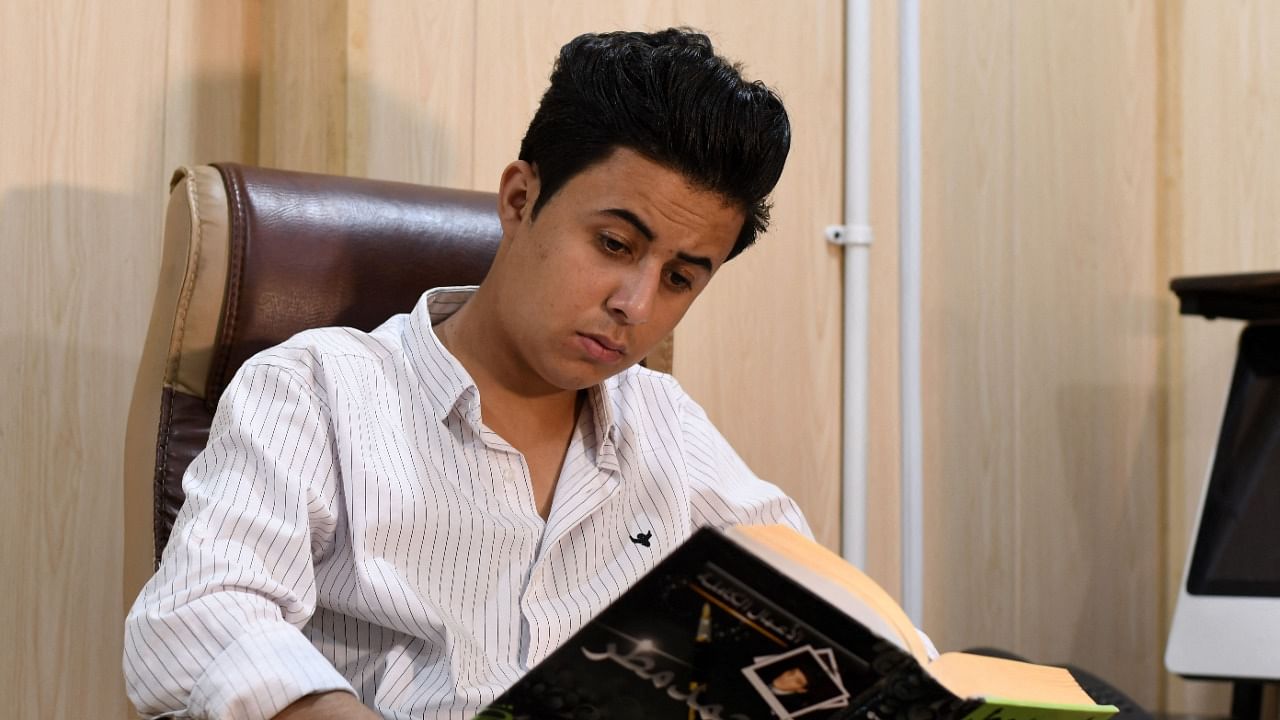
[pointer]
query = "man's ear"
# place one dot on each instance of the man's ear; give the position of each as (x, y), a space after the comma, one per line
(517, 193)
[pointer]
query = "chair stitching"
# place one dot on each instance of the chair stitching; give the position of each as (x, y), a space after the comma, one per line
(162, 469)
(193, 270)
(239, 231)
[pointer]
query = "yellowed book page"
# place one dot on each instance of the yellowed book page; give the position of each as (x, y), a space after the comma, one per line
(817, 559)
(978, 676)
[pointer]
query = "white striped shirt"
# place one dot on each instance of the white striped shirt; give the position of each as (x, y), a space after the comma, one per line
(353, 525)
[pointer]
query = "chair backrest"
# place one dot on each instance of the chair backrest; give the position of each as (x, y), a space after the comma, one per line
(252, 256)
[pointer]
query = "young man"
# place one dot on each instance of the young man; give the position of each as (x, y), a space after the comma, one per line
(400, 523)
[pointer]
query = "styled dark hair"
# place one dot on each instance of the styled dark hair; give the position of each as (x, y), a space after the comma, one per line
(669, 97)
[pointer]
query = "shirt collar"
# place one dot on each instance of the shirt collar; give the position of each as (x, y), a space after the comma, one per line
(604, 423)
(450, 387)
(447, 383)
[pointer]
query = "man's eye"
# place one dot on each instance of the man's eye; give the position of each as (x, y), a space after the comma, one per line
(680, 282)
(613, 245)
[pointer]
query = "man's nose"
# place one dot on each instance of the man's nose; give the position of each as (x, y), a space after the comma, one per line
(632, 301)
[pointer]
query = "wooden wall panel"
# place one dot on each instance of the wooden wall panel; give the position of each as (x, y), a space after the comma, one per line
(968, 343)
(1084, 269)
(1041, 334)
(213, 70)
(80, 193)
(1223, 216)
(305, 74)
(412, 92)
(884, 420)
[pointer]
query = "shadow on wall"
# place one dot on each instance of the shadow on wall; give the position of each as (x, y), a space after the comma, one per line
(79, 278)
(1110, 508)
(78, 268)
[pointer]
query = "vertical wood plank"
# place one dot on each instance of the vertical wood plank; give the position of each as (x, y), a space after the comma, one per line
(213, 68)
(303, 109)
(968, 305)
(1041, 336)
(1175, 694)
(884, 420)
(412, 92)
(1084, 269)
(82, 108)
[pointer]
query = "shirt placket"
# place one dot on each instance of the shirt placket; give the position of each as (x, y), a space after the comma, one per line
(582, 489)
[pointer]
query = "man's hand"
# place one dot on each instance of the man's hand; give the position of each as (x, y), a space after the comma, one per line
(337, 705)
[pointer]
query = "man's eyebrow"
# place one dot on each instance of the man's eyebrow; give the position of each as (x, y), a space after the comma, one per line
(702, 262)
(631, 218)
(624, 214)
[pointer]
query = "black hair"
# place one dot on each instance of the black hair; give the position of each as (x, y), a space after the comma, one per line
(669, 97)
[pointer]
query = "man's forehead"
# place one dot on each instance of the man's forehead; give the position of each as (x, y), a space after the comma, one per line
(623, 167)
(630, 182)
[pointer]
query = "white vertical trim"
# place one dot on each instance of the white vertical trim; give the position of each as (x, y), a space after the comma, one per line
(909, 235)
(857, 171)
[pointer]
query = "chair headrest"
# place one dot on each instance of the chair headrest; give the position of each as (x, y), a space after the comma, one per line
(312, 251)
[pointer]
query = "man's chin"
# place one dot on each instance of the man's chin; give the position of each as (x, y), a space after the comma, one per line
(594, 375)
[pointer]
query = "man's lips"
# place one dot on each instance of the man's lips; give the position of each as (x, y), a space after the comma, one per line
(601, 348)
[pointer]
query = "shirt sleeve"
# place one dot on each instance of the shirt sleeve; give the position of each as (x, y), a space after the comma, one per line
(216, 632)
(725, 491)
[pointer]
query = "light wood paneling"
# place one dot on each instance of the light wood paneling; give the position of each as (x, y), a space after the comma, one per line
(303, 121)
(1223, 205)
(1040, 332)
(1084, 269)
(412, 92)
(884, 421)
(968, 343)
(80, 193)
(373, 89)
(213, 70)
(1168, 252)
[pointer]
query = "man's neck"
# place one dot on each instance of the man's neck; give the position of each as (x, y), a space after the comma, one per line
(535, 418)
(511, 394)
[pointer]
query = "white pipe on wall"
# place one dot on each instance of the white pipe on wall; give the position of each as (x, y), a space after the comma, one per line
(910, 268)
(856, 239)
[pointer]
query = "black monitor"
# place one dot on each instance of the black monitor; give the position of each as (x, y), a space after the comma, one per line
(1237, 547)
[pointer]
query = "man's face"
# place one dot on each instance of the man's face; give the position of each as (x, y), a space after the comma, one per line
(790, 682)
(606, 270)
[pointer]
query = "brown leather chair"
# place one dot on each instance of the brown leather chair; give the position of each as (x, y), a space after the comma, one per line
(251, 257)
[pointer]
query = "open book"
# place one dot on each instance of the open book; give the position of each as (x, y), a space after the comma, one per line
(762, 622)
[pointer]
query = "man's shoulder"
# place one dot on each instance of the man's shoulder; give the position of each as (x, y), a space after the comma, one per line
(310, 351)
(639, 389)
(639, 378)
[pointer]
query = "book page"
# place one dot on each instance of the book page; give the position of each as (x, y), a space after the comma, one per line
(834, 580)
(979, 676)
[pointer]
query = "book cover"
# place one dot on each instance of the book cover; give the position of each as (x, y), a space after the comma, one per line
(715, 633)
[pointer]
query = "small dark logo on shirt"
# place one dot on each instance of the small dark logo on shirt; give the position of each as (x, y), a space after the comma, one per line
(642, 538)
